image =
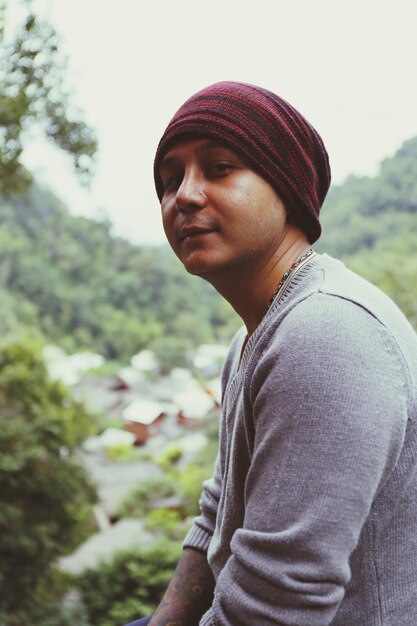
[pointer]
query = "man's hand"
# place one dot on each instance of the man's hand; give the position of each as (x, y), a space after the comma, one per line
(189, 594)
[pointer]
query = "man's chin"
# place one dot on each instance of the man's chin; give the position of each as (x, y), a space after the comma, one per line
(195, 264)
(202, 273)
(202, 270)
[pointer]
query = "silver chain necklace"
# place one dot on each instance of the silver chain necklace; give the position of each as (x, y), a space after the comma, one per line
(289, 272)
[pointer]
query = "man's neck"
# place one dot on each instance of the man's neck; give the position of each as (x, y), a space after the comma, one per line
(249, 289)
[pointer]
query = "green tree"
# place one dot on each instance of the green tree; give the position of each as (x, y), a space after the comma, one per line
(46, 496)
(33, 93)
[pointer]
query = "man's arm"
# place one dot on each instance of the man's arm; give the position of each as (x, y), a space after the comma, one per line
(189, 594)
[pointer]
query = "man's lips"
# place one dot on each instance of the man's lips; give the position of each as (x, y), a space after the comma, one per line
(187, 232)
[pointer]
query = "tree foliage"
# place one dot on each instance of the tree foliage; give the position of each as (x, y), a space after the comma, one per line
(46, 496)
(33, 94)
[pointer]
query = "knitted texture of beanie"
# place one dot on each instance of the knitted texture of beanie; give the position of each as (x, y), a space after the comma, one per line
(276, 140)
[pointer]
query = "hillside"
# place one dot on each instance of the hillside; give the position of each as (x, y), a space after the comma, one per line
(81, 287)
(371, 223)
(364, 212)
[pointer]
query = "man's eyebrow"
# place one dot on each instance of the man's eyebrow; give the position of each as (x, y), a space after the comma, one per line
(206, 146)
(167, 161)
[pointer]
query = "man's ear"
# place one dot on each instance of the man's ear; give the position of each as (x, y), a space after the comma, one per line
(290, 219)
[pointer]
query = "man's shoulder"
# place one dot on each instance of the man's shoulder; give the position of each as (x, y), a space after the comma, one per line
(340, 298)
(344, 321)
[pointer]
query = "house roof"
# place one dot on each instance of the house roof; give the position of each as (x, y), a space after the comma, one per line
(194, 403)
(143, 411)
(145, 361)
(109, 437)
(69, 368)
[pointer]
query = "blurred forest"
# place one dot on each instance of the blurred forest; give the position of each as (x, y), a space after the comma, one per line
(82, 288)
(69, 281)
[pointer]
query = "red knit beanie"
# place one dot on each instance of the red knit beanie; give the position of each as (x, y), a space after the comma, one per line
(277, 141)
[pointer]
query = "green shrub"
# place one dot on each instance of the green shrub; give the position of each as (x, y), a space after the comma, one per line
(167, 523)
(122, 452)
(138, 501)
(189, 488)
(130, 586)
(46, 496)
(169, 457)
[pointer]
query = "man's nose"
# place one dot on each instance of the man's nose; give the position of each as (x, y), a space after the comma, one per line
(190, 194)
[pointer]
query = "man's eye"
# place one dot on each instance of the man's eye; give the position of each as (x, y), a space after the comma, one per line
(219, 169)
(172, 182)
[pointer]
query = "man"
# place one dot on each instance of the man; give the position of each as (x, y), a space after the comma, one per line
(311, 516)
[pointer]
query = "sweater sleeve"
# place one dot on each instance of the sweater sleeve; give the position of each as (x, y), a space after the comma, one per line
(201, 532)
(329, 409)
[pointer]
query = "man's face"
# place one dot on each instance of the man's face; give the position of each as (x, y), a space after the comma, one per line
(218, 214)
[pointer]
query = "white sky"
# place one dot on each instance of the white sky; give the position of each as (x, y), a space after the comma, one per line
(349, 67)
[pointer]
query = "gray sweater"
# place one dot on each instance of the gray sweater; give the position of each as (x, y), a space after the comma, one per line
(310, 518)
